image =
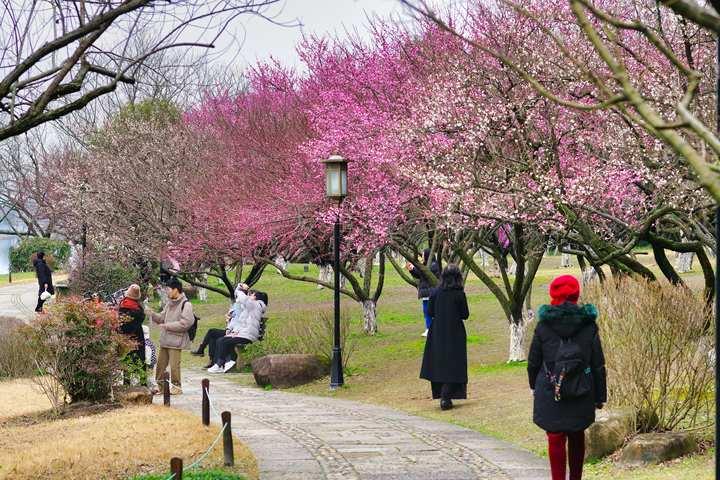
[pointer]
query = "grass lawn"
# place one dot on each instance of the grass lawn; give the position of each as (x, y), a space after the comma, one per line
(114, 444)
(17, 277)
(384, 369)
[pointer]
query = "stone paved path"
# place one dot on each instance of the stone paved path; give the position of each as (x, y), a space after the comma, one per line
(302, 437)
(18, 300)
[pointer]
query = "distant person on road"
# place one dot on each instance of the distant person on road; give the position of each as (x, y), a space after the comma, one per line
(566, 370)
(243, 329)
(131, 309)
(174, 322)
(424, 287)
(445, 358)
(213, 334)
(44, 278)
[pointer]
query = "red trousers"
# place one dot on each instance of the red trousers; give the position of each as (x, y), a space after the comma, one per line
(560, 457)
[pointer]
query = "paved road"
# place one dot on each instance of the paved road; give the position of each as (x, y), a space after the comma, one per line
(18, 300)
(301, 437)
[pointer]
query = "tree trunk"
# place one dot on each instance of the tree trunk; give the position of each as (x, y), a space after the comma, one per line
(565, 261)
(589, 275)
(518, 329)
(325, 275)
(684, 262)
(369, 317)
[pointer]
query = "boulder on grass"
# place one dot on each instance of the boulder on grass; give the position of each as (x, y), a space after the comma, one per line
(608, 433)
(654, 448)
(134, 396)
(283, 371)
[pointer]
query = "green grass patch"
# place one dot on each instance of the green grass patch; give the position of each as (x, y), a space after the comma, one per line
(496, 368)
(214, 474)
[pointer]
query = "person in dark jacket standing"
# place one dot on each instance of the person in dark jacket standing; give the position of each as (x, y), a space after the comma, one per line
(445, 358)
(424, 287)
(134, 314)
(44, 278)
(566, 332)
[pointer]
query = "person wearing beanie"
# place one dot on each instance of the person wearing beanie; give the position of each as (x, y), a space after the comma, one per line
(133, 316)
(566, 372)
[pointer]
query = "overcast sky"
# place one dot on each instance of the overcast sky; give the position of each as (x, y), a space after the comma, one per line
(263, 39)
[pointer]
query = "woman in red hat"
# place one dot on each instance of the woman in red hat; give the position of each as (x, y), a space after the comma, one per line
(566, 370)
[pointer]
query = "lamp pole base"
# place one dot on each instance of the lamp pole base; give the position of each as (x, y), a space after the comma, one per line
(336, 371)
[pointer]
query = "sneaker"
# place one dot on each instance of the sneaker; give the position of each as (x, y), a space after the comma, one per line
(209, 365)
(446, 404)
(215, 369)
(424, 334)
(228, 365)
(175, 390)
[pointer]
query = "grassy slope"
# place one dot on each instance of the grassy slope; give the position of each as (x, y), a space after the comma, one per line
(111, 445)
(384, 369)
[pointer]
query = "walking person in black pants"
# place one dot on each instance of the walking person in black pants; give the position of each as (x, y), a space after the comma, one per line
(44, 278)
(445, 358)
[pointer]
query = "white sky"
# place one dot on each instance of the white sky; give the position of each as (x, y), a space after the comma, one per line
(263, 40)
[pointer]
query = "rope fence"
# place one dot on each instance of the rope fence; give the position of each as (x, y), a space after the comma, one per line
(176, 464)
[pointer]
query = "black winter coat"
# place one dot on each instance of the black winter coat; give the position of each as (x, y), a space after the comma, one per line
(424, 287)
(44, 275)
(132, 327)
(445, 357)
(565, 321)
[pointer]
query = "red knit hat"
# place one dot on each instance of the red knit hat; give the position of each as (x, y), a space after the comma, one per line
(564, 288)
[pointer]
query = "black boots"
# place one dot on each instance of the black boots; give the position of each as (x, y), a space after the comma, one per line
(446, 404)
(198, 353)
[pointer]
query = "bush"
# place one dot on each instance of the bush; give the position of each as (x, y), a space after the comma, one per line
(16, 354)
(99, 273)
(656, 349)
(21, 255)
(78, 348)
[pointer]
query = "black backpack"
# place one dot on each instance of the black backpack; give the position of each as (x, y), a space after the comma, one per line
(571, 375)
(192, 331)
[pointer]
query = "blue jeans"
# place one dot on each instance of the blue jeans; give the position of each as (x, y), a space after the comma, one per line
(426, 313)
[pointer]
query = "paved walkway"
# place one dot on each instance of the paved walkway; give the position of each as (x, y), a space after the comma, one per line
(302, 437)
(18, 300)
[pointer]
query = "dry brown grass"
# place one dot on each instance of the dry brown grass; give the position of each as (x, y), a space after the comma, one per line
(111, 445)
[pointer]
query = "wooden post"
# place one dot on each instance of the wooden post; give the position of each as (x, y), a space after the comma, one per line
(166, 389)
(228, 451)
(176, 468)
(205, 402)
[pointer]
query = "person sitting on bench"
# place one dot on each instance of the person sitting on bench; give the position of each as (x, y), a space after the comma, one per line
(214, 334)
(244, 329)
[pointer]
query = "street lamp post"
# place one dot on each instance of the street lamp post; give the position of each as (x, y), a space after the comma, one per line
(336, 189)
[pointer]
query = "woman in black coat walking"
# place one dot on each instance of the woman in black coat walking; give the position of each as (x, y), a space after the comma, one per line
(566, 371)
(445, 359)
(44, 278)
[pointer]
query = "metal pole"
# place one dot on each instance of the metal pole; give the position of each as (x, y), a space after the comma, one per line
(336, 373)
(717, 279)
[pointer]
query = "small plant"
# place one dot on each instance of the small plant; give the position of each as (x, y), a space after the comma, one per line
(78, 348)
(656, 348)
(315, 335)
(99, 273)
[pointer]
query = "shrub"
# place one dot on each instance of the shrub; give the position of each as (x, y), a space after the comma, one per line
(99, 273)
(656, 349)
(16, 354)
(78, 348)
(315, 335)
(21, 255)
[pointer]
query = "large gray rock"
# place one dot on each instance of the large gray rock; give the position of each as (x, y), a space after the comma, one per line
(289, 370)
(608, 433)
(654, 448)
